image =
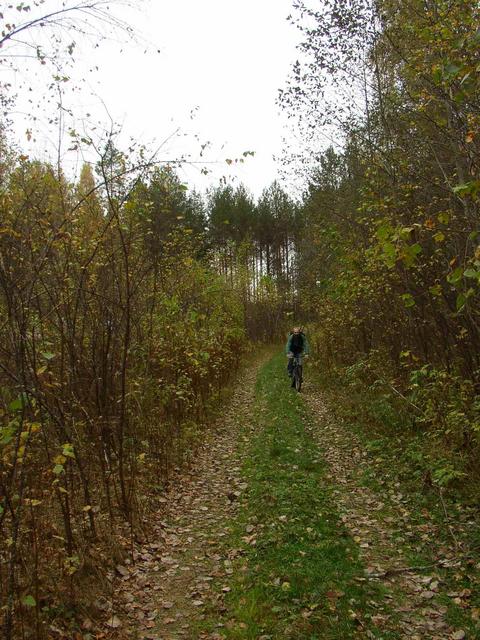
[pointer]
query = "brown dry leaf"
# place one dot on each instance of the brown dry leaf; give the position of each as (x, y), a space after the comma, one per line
(167, 604)
(369, 570)
(114, 622)
(87, 624)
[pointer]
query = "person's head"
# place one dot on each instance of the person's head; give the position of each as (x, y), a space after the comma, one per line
(297, 329)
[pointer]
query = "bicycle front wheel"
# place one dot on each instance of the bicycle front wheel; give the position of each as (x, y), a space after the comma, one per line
(298, 378)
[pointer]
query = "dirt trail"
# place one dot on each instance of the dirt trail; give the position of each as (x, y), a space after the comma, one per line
(164, 594)
(182, 575)
(381, 523)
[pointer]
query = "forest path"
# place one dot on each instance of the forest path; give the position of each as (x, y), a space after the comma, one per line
(282, 530)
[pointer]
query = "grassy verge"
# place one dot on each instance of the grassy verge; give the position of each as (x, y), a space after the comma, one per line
(442, 518)
(296, 573)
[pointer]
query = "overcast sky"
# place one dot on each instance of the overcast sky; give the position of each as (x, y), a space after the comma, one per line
(223, 60)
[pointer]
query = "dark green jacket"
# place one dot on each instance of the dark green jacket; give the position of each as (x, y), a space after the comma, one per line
(306, 348)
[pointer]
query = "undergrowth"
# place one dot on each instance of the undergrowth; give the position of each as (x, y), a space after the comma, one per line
(404, 458)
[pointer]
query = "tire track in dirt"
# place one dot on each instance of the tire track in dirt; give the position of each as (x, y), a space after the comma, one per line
(382, 527)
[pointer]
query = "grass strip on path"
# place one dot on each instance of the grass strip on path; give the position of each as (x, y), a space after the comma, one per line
(296, 570)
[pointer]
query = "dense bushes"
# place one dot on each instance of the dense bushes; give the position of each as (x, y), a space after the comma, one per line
(115, 340)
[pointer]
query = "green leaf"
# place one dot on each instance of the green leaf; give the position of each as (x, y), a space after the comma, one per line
(6, 434)
(462, 189)
(444, 217)
(455, 276)
(384, 232)
(467, 188)
(389, 254)
(29, 601)
(410, 252)
(18, 403)
(471, 273)
(48, 355)
(451, 70)
(389, 249)
(416, 248)
(437, 75)
(68, 451)
(58, 469)
(436, 290)
(461, 300)
(405, 232)
(408, 300)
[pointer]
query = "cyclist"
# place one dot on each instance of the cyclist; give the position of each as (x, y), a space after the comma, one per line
(297, 345)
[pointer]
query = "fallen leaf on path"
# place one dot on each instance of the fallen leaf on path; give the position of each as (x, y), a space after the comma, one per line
(114, 622)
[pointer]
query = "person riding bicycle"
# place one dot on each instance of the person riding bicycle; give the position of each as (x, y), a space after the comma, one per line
(297, 345)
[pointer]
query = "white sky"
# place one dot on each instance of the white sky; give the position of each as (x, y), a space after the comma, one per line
(224, 58)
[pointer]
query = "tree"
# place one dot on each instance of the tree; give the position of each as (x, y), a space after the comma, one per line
(77, 17)
(389, 267)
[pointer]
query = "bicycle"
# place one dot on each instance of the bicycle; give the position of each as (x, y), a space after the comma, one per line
(297, 372)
